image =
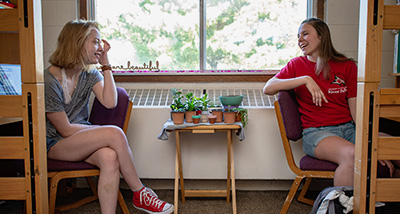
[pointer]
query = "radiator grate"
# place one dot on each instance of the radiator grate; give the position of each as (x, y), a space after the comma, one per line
(163, 98)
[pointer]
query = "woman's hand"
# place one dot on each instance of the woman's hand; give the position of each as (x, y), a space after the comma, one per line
(389, 164)
(104, 56)
(316, 93)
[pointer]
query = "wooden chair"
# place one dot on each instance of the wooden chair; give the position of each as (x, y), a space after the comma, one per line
(58, 170)
(288, 116)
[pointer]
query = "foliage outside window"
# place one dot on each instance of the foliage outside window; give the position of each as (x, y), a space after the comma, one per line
(240, 34)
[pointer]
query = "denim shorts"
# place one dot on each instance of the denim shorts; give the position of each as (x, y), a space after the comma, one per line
(50, 142)
(312, 136)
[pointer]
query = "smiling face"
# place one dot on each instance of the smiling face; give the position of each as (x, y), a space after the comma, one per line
(309, 41)
(93, 47)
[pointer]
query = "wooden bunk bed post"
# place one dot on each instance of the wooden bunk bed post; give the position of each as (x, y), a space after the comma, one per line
(369, 63)
(374, 18)
(30, 30)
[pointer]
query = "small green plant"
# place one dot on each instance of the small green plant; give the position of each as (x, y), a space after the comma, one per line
(177, 105)
(203, 102)
(212, 105)
(191, 103)
(244, 115)
(229, 109)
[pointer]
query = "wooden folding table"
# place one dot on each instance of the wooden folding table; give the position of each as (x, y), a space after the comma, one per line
(228, 128)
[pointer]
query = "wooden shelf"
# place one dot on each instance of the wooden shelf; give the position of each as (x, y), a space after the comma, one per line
(9, 20)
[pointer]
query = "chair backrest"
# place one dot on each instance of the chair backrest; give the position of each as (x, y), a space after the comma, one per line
(290, 115)
(100, 115)
(290, 127)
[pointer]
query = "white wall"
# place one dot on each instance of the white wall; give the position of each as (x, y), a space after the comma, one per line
(56, 13)
(342, 16)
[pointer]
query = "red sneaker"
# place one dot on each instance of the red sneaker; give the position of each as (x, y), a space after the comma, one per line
(145, 199)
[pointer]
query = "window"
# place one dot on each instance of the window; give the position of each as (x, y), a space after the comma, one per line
(238, 34)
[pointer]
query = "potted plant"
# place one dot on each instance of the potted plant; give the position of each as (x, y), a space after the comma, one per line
(196, 119)
(229, 115)
(216, 110)
(212, 118)
(177, 107)
(242, 116)
(203, 105)
(190, 107)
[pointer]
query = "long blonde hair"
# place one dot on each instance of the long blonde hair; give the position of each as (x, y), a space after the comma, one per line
(71, 50)
(326, 51)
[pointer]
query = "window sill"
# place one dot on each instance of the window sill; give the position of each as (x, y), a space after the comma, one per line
(195, 76)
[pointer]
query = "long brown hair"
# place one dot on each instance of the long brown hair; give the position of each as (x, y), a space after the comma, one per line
(326, 51)
(71, 49)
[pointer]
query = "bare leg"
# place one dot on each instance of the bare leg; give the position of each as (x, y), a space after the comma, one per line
(106, 159)
(82, 144)
(341, 152)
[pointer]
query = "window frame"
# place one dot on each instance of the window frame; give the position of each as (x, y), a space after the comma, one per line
(86, 11)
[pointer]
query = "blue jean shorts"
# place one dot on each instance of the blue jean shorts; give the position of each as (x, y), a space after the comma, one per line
(312, 136)
(50, 142)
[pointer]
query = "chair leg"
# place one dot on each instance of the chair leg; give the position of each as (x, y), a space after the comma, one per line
(122, 203)
(303, 192)
(92, 185)
(52, 195)
(292, 192)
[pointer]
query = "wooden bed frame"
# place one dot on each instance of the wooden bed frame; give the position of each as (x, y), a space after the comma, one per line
(21, 43)
(373, 103)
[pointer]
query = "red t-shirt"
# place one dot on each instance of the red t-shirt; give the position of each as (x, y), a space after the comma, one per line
(337, 90)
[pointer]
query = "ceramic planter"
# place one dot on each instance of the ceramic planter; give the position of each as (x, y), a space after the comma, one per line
(196, 119)
(188, 116)
(238, 117)
(212, 118)
(229, 117)
(204, 117)
(218, 114)
(231, 100)
(177, 117)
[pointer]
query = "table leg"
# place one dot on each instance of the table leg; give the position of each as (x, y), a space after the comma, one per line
(176, 188)
(228, 185)
(230, 145)
(179, 157)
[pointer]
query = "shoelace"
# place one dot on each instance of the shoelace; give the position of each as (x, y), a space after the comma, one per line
(148, 199)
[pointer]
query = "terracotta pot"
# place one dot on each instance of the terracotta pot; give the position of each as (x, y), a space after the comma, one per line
(238, 117)
(229, 117)
(219, 116)
(196, 119)
(212, 118)
(188, 116)
(177, 117)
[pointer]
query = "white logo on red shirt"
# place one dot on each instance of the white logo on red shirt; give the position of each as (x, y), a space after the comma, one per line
(338, 81)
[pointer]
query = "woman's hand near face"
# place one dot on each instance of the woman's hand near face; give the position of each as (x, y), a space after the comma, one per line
(104, 56)
(316, 93)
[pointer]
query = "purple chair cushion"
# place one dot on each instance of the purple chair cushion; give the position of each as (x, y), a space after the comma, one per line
(56, 165)
(290, 114)
(310, 163)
